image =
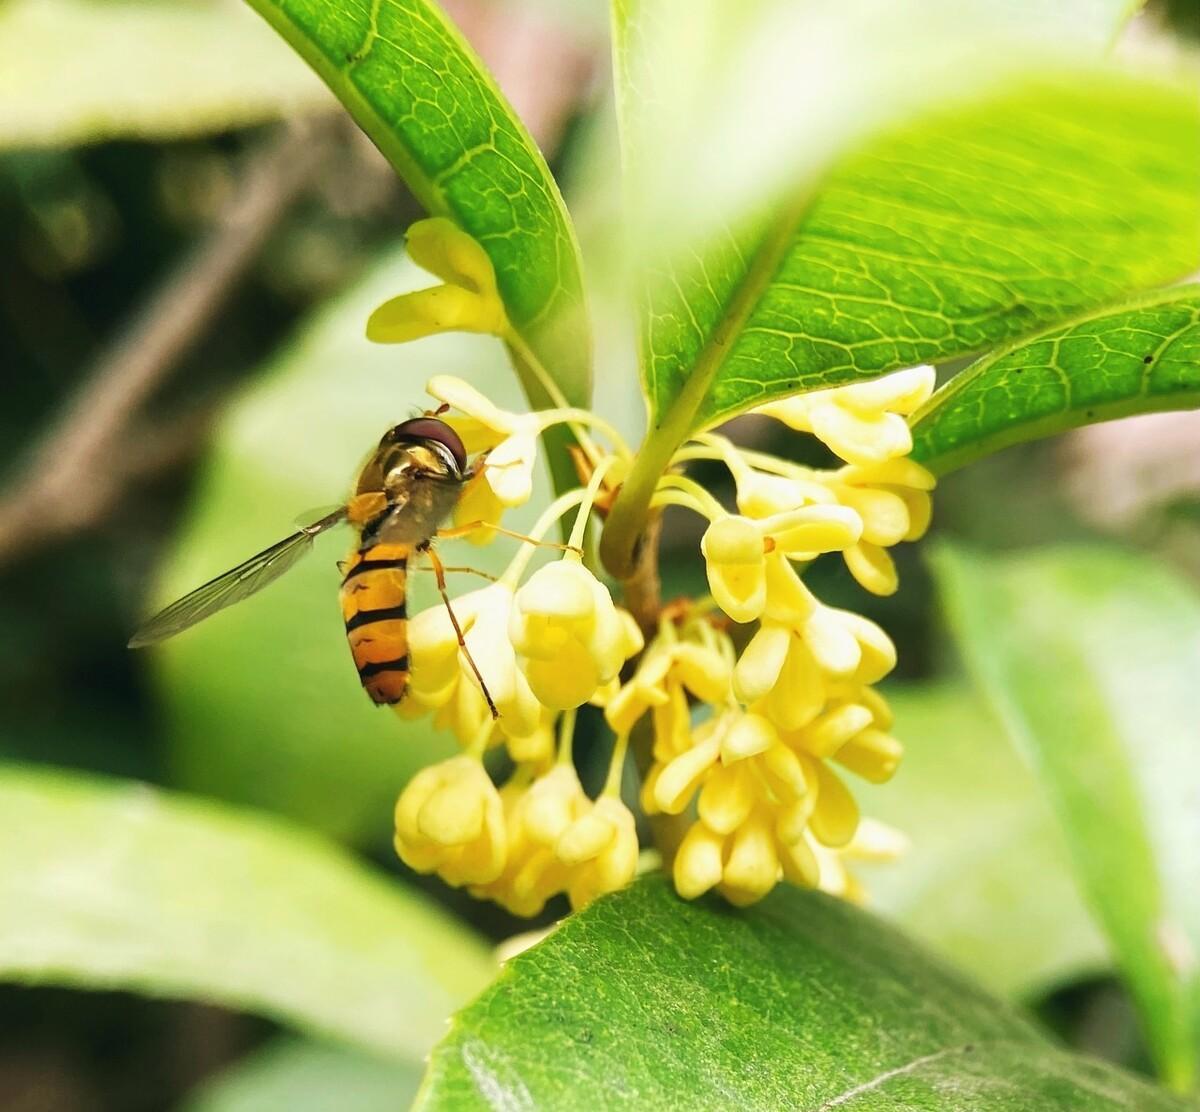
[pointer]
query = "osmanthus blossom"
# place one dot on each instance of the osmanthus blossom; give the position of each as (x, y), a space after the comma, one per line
(749, 707)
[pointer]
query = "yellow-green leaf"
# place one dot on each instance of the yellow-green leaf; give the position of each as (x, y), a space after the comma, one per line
(645, 1001)
(79, 71)
(1140, 358)
(417, 89)
(1090, 656)
(118, 885)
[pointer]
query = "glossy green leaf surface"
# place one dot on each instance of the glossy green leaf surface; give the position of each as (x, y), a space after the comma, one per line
(801, 1002)
(77, 71)
(263, 705)
(962, 229)
(1141, 358)
(110, 885)
(1090, 657)
(416, 88)
(305, 1076)
(987, 880)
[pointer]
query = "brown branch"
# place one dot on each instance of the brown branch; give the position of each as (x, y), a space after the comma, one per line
(73, 475)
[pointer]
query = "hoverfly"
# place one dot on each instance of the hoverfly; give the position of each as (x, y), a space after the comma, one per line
(409, 486)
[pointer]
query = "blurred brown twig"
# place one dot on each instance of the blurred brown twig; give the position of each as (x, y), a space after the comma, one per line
(89, 454)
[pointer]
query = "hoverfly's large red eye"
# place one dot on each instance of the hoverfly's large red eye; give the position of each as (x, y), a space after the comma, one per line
(430, 428)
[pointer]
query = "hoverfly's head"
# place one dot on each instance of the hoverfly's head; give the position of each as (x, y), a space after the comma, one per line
(423, 447)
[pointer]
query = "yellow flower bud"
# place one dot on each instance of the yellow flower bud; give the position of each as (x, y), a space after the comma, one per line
(733, 552)
(831, 643)
(799, 693)
(567, 633)
(884, 515)
(698, 864)
(746, 736)
(786, 772)
(813, 529)
(678, 781)
(554, 802)
(752, 868)
(873, 568)
(702, 670)
(863, 422)
(871, 754)
(450, 819)
(759, 666)
(800, 865)
(726, 800)
(601, 851)
(835, 817)
(827, 733)
(789, 601)
(761, 495)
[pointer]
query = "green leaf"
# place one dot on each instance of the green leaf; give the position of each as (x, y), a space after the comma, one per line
(1141, 358)
(1090, 655)
(415, 87)
(79, 71)
(987, 881)
(646, 1001)
(123, 886)
(309, 1077)
(262, 701)
(962, 229)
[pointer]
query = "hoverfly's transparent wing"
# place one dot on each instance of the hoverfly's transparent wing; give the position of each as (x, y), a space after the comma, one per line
(236, 584)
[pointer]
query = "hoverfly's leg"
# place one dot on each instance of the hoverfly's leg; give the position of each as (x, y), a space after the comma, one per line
(471, 526)
(472, 571)
(439, 573)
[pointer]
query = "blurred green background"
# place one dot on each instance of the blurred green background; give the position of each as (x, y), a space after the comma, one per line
(117, 176)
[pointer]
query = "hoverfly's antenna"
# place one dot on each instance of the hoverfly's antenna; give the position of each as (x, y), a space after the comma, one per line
(439, 573)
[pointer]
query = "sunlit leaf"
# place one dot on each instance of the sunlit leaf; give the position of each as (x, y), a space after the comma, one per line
(800, 1002)
(986, 881)
(416, 88)
(77, 71)
(1090, 656)
(122, 886)
(1137, 359)
(958, 232)
(263, 703)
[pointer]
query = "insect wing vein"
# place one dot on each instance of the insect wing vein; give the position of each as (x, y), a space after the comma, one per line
(235, 585)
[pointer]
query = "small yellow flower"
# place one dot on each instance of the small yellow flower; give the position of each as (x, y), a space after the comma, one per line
(569, 637)
(554, 802)
(873, 842)
(510, 440)
(734, 560)
(894, 502)
(600, 849)
(736, 551)
(468, 302)
(700, 663)
(763, 495)
(864, 422)
(532, 873)
(450, 820)
(443, 679)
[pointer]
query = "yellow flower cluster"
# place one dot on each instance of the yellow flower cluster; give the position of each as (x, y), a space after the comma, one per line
(758, 760)
(749, 730)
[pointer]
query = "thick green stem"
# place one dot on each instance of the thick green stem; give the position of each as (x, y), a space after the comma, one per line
(627, 520)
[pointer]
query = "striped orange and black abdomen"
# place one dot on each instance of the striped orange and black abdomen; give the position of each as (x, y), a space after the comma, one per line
(374, 601)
